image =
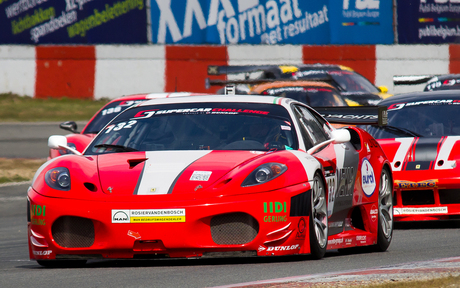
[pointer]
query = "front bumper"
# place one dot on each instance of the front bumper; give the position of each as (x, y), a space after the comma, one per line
(261, 224)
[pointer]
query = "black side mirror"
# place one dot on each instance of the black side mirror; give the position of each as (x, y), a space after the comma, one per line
(69, 126)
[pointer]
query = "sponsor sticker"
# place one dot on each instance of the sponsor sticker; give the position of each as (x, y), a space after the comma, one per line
(283, 248)
(420, 210)
(416, 185)
(43, 253)
(335, 241)
(148, 216)
(374, 212)
(367, 178)
(200, 176)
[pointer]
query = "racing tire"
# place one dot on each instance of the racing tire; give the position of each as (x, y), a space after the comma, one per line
(385, 217)
(318, 219)
(62, 263)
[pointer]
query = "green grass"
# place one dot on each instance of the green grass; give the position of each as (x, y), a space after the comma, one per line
(15, 108)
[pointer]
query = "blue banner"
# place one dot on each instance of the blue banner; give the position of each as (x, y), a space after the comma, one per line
(240, 21)
(428, 21)
(361, 21)
(73, 22)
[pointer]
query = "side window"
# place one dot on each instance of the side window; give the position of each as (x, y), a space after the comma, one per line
(314, 129)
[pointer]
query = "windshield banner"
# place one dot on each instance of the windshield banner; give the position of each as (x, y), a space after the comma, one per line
(428, 21)
(73, 22)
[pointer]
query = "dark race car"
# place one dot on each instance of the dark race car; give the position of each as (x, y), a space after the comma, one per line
(212, 176)
(422, 141)
(433, 82)
(351, 84)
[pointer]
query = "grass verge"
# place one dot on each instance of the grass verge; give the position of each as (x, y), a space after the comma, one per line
(18, 169)
(15, 108)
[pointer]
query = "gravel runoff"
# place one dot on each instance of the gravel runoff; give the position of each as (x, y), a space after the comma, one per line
(424, 270)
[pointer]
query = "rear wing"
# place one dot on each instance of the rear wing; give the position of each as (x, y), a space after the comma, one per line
(236, 69)
(411, 79)
(218, 82)
(355, 115)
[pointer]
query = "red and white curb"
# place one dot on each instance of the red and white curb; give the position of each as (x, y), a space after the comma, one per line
(422, 270)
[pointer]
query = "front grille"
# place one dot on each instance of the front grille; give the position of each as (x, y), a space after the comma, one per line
(73, 232)
(449, 196)
(417, 197)
(234, 228)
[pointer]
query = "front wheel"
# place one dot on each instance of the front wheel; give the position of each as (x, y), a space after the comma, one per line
(318, 218)
(385, 221)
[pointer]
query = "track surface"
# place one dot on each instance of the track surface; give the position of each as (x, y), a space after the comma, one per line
(411, 243)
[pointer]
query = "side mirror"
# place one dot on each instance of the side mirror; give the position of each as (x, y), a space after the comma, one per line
(69, 126)
(337, 136)
(59, 142)
(383, 89)
(340, 136)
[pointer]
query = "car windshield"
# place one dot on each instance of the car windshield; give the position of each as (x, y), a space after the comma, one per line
(312, 96)
(420, 119)
(198, 126)
(105, 115)
(353, 82)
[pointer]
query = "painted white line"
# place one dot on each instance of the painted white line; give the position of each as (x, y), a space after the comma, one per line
(15, 183)
(14, 198)
(363, 274)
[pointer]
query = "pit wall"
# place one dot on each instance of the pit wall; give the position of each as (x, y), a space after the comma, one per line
(110, 71)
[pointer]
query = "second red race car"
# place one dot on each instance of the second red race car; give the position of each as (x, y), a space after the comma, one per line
(79, 140)
(422, 141)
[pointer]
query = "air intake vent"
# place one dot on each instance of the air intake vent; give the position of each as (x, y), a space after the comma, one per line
(234, 229)
(73, 232)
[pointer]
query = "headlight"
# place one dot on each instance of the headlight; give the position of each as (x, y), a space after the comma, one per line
(63, 151)
(264, 173)
(58, 178)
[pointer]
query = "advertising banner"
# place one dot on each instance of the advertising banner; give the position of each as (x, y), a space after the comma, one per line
(361, 21)
(240, 21)
(73, 22)
(428, 21)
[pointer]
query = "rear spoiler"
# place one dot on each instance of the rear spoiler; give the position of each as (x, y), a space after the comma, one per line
(355, 115)
(218, 82)
(411, 79)
(236, 69)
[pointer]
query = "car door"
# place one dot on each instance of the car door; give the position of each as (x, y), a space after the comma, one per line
(340, 165)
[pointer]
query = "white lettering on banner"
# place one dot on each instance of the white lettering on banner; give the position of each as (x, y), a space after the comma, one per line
(21, 6)
(253, 20)
(362, 4)
(53, 25)
(442, 1)
(213, 10)
(244, 5)
(167, 20)
(193, 7)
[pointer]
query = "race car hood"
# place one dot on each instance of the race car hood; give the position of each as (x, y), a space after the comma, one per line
(166, 172)
(417, 159)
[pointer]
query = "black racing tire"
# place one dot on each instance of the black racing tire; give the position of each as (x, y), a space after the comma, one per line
(318, 219)
(61, 263)
(385, 218)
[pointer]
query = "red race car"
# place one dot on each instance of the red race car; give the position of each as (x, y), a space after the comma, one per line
(212, 176)
(79, 140)
(422, 140)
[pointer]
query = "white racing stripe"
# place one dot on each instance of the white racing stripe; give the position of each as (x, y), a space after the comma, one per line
(163, 167)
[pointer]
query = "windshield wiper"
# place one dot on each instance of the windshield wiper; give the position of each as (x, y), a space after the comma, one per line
(402, 130)
(120, 148)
